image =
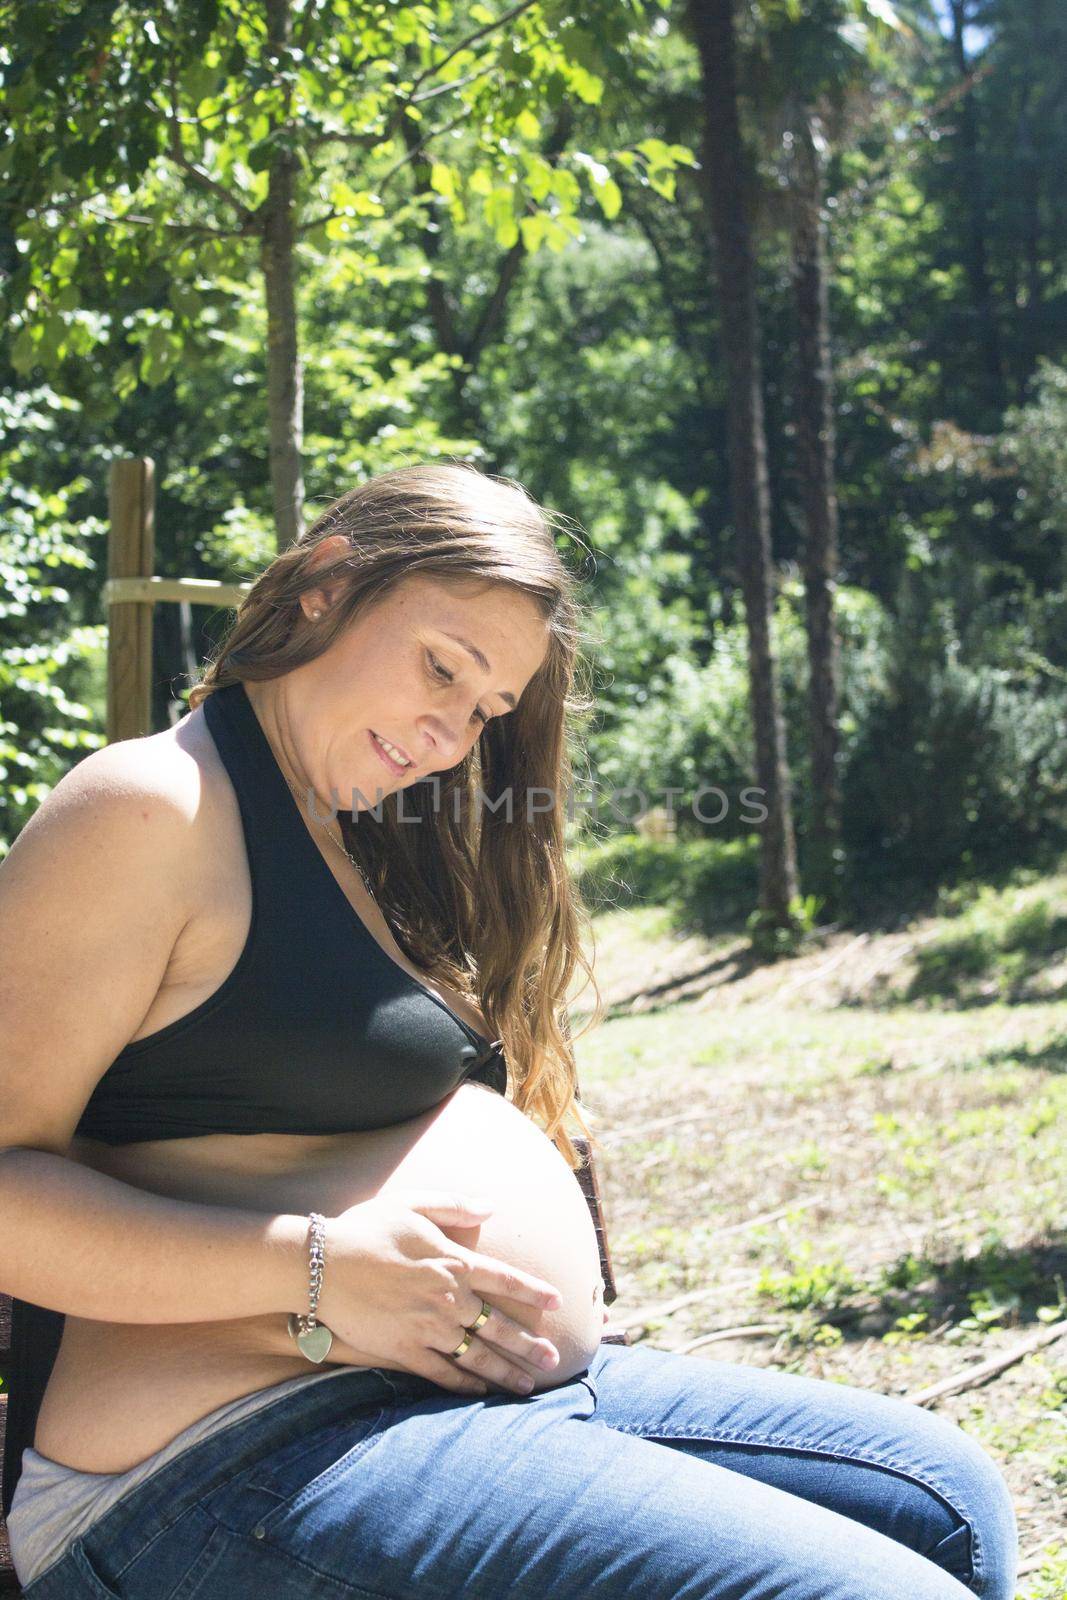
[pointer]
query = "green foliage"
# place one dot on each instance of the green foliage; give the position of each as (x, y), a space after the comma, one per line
(978, 775)
(1035, 442)
(49, 665)
(1004, 943)
(710, 883)
(771, 940)
(201, 109)
(813, 1284)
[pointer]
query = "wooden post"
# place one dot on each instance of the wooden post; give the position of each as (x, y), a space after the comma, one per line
(130, 554)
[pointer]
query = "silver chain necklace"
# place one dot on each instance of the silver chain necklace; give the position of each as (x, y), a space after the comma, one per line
(338, 844)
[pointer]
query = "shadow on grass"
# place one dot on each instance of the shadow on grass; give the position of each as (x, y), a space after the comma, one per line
(710, 888)
(992, 960)
(688, 984)
(1000, 1287)
(1050, 1056)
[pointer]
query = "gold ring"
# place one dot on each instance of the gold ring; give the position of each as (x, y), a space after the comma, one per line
(468, 1333)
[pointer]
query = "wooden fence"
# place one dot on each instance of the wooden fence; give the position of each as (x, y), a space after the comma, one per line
(132, 590)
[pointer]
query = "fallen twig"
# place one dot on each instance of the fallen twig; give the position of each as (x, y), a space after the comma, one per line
(1034, 1562)
(637, 1130)
(799, 1204)
(971, 1377)
(654, 1313)
(747, 1330)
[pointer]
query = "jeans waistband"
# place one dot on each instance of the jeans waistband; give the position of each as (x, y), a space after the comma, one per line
(138, 1517)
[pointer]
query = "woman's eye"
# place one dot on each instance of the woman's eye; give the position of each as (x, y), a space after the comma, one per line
(447, 677)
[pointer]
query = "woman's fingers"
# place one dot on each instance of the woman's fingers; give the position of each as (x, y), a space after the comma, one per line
(488, 1364)
(511, 1338)
(440, 1370)
(502, 1351)
(488, 1276)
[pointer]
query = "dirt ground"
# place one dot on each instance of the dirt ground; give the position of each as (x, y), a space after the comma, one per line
(862, 1185)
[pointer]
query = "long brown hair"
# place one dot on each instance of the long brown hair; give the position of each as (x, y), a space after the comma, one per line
(478, 896)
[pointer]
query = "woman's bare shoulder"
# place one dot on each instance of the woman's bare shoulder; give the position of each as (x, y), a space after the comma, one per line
(174, 772)
(95, 894)
(158, 794)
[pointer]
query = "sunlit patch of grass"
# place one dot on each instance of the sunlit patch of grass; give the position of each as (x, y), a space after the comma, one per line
(1001, 946)
(809, 1160)
(1049, 1582)
(1032, 1436)
(813, 1284)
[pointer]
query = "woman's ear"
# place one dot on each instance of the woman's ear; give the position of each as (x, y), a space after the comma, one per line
(321, 599)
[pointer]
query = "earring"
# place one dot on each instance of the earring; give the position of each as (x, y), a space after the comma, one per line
(316, 615)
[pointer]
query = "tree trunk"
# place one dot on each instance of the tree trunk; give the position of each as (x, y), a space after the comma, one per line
(815, 454)
(285, 376)
(1028, 167)
(724, 188)
(976, 261)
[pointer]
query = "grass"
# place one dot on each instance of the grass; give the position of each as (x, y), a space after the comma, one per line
(863, 1148)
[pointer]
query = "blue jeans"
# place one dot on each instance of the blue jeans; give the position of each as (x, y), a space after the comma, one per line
(648, 1475)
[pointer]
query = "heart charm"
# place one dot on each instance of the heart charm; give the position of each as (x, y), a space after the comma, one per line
(314, 1342)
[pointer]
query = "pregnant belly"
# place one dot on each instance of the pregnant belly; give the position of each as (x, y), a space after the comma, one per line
(119, 1392)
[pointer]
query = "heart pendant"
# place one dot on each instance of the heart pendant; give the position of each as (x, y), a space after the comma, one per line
(314, 1342)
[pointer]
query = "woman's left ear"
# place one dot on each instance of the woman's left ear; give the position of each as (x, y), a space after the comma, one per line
(324, 598)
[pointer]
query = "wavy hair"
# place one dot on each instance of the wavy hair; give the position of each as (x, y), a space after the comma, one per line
(479, 897)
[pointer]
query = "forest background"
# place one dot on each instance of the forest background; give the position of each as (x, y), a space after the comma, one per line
(769, 299)
(488, 234)
(500, 243)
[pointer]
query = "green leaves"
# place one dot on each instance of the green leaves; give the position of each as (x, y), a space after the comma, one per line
(502, 215)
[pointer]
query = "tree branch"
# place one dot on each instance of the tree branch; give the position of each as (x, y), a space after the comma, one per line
(397, 117)
(971, 1377)
(465, 44)
(367, 140)
(446, 88)
(84, 203)
(203, 179)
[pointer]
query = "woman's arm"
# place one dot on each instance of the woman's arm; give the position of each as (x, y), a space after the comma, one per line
(93, 896)
(80, 1242)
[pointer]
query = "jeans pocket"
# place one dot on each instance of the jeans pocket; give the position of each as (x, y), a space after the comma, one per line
(284, 1470)
(171, 1565)
(300, 1473)
(88, 1575)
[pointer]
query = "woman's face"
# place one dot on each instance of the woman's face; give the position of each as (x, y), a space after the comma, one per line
(398, 673)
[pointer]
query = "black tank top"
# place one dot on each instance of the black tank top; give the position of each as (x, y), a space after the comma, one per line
(316, 1029)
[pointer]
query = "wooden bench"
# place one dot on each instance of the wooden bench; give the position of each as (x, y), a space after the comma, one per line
(30, 1335)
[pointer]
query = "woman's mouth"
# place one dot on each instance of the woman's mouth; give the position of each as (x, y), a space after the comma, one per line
(397, 768)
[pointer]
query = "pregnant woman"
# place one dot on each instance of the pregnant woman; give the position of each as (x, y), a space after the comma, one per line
(283, 1077)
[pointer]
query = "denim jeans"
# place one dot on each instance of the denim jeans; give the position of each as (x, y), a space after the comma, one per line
(648, 1475)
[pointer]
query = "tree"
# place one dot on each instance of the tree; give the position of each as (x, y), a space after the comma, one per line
(815, 433)
(816, 60)
(976, 257)
(220, 137)
(726, 189)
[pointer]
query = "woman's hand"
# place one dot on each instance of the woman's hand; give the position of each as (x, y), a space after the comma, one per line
(398, 1289)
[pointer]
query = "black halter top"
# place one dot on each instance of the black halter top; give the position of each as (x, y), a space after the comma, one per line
(315, 1029)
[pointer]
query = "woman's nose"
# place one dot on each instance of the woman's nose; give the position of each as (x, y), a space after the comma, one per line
(446, 742)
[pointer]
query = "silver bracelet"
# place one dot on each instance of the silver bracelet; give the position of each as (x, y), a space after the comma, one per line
(312, 1337)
